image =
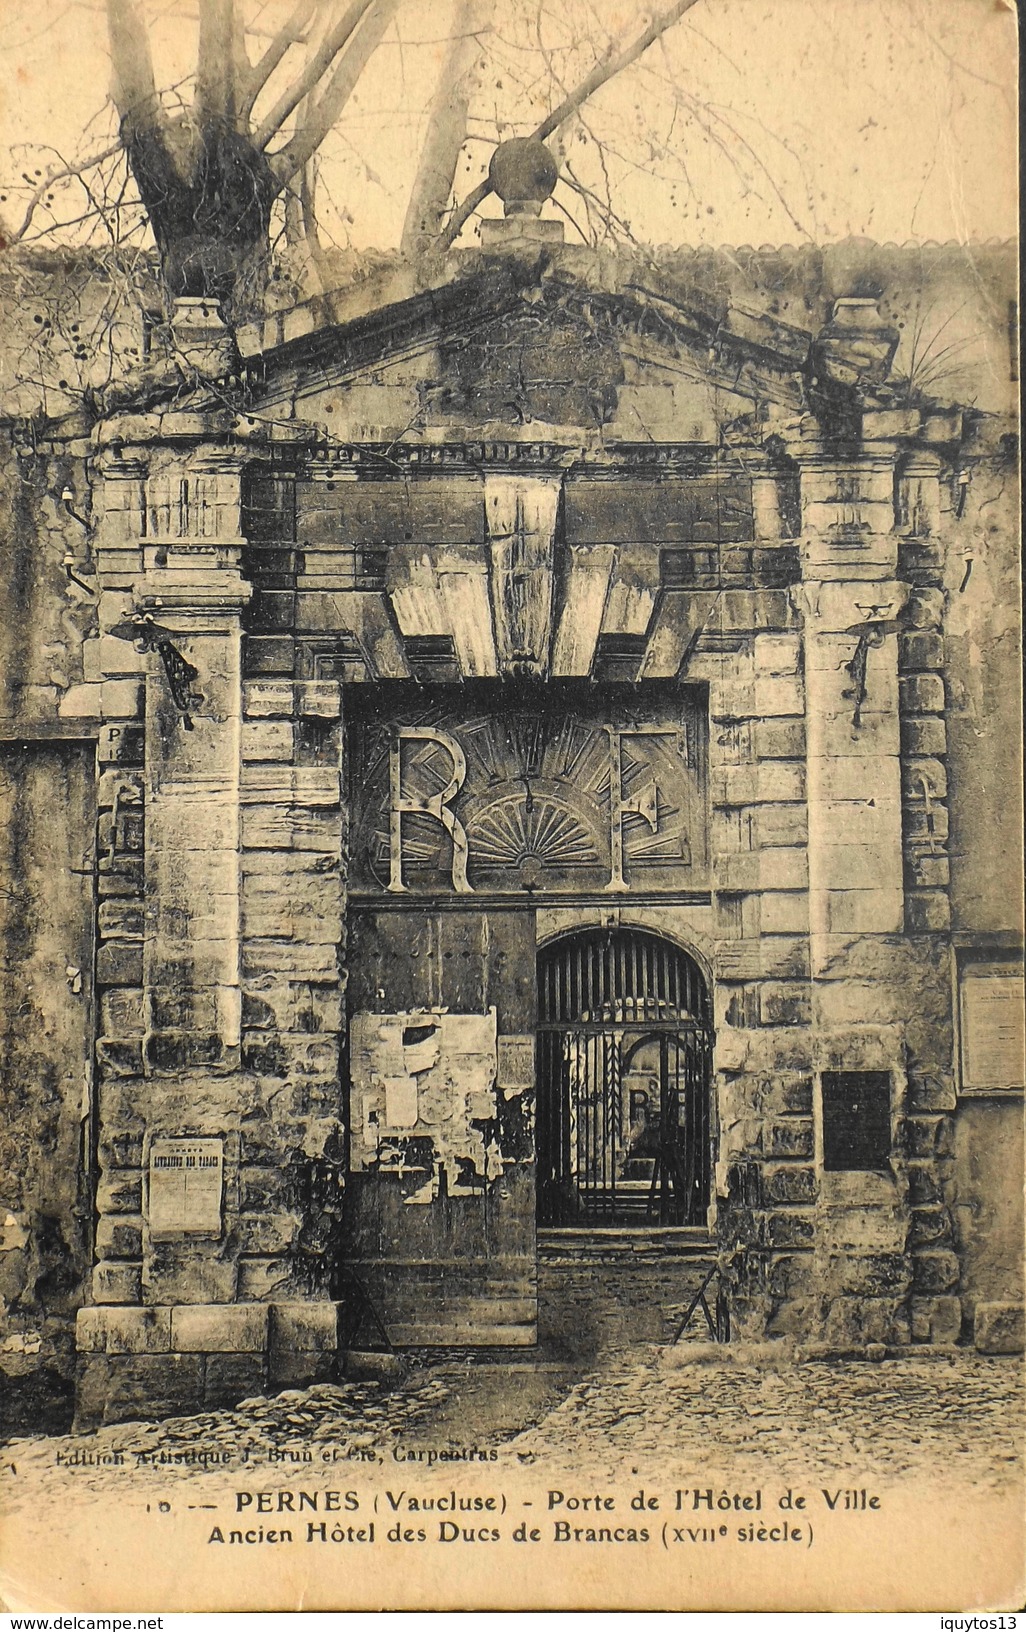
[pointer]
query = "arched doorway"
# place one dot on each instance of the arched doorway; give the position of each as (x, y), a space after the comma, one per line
(624, 1070)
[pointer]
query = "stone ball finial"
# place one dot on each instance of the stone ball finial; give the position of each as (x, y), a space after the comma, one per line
(523, 173)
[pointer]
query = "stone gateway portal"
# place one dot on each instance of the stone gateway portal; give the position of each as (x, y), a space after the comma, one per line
(533, 776)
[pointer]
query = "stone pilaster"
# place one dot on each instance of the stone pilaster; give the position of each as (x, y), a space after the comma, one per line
(852, 604)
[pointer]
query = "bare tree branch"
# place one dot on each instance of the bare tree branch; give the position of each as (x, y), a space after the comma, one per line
(291, 33)
(446, 133)
(215, 63)
(134, 88)
(65, 173)
(322, 114)
(598, 77)
(314, 71)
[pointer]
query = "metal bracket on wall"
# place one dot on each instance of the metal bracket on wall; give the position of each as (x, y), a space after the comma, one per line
(150, 636)
(870, 633)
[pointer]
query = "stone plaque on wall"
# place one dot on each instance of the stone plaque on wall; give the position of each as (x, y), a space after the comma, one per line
(991, 1017)
(186, 1183)
(515, 1068)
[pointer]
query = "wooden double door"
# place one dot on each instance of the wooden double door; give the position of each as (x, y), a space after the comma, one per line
(494, 1088)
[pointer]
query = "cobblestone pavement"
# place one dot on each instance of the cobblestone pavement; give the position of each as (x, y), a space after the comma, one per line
(963, 1416)
(959, 1417)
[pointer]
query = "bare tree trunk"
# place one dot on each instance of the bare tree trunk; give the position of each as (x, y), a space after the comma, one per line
(209, 194)
(446, 129)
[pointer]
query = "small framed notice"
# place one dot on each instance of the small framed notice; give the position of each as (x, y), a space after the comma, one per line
(186, 1186)
(515, 1064)
(991, 1026)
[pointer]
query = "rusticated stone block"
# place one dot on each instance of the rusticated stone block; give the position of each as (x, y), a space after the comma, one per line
(921, 693)
(779, 694)
(785, 957)
(790, 1229)
(152, 1386)
(261, 1279)
(999, 1328)
(780, 826)
(740, 1005)
(924, 734)
(112, 1329)
(220, 1328)
(228, 1378)
(784, 867)
(178, 1051)
(119, 963)
(266, 740)
(790, 1185)
(928, 1135)
(126, 880)
(267, 1234)
(791, 1138)
(781, 738)
(311, 1055)
(935, 1272)
(258, 1013)
(301, 1368)
(927, 911)
(784, 1003)
(119, 1193)
(783, 1096)
(121, 1012)
(319, 699)
(262, 1188)
(121, 918)
(924, 826)
(926, 870)
(931, 1093)
(867, 1275)
(936, 1320)
(303, 1326)
(317, 962)
(853, 1322)
(119, 1237)
(268, 699)
(119, 1058)
(179, 1273)
(316, 1007)
(117, 1283)
(737, 872)
(264, 1053)
(121, 1149)
(930, 1227)
(923, 1185)
(738, 960)
(921, 649)
(745, 609)
(784, 912)
(925, 609)
(792, 1276)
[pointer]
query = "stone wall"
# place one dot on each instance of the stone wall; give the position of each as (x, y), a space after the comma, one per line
(46, 1005)
(833, 587)
(46, 933)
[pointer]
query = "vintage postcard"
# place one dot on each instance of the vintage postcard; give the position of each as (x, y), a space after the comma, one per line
(511, 995)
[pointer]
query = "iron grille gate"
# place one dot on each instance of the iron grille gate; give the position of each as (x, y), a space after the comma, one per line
(624, 1058)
